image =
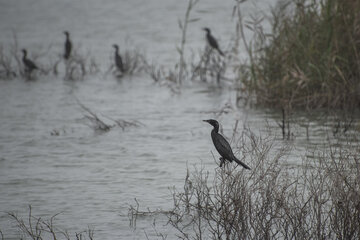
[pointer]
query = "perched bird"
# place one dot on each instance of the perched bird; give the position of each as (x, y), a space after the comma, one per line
(118, 61)
(222, 146)
(68, 46)
(29, 65)
(212, 41)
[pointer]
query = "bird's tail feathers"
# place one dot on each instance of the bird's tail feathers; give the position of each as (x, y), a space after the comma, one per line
(66, 56)
(221, 53)
(242, 164)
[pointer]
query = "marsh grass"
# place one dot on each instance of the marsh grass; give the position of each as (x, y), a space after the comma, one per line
(310, 59)
(7, 70)
(11, 64)
(319, 199)
(79, 65)
(134, 61)
(211, 66)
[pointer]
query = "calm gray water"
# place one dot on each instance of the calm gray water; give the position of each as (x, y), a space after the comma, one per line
(93, 177)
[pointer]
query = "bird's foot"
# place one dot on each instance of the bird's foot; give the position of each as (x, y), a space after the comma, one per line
(222, 161)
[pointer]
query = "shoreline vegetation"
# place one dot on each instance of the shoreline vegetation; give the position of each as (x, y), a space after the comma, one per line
(309, 61)
(319, 199)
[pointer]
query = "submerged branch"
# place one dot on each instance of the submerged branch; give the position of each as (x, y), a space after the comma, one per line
(99, 125)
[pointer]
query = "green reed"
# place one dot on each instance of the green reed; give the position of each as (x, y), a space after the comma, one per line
(310, 59)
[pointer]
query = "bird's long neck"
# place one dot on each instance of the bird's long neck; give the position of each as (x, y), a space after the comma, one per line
(216, 129)
(24, 55)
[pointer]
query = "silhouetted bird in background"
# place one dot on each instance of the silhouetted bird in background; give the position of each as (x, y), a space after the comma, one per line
(222, 146)
(118, 60)
(68, 46)
(29, 65)
(212, 41)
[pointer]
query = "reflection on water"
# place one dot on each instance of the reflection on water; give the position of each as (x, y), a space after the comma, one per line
(92, 177)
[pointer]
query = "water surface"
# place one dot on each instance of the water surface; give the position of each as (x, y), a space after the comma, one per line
(92, 177)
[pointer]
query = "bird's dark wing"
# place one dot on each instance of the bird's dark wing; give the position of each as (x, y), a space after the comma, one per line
(212, 41)
(222, 146)
(241, 163)
(30, 64)
(119, 63)
(221, 53)
(224, 149)
(68, 47)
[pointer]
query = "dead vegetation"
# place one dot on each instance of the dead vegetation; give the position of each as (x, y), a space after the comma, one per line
(79, 65)
(98, 124)
(133, 62)
(211, 66)
(7, 70)
(320, 199)
(37, 228)
(317, 199)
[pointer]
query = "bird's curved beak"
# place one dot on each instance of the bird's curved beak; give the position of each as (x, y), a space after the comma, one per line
(206, 121)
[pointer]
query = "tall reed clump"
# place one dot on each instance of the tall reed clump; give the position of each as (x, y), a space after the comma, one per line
(319, 199)
(310, 59)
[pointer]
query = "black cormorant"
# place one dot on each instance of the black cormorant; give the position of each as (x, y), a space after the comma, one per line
(212, 41)
(222, 146)
(29, 65)
(68, 46)
(118, 60)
